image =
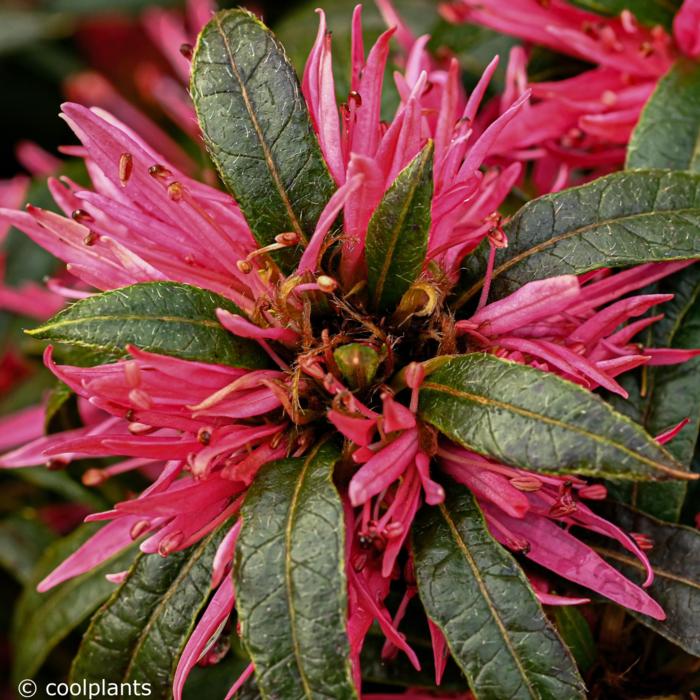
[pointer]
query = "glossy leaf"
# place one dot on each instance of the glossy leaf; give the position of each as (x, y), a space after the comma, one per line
(667, 134)
(536, 420)
(649, 12)
(477, 594)
(671, 392)
(675, 558)
(140, 632)
(164, 317)
(397, 234)
(290, 580)
(42, 620)
(257, 127)
(622, 219)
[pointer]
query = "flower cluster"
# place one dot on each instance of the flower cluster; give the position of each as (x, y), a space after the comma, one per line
(203, 431)
(583, 122)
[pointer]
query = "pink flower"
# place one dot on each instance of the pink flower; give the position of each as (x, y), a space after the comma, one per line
(202, 431)
(584, 121)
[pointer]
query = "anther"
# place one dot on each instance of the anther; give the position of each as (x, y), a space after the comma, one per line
(288, 238)
(326, 284)
(139, 528)
(81, 216)
(354, 98)
(244, 267)
(126, 165)
(91, 238)
(160, 172)
(175, 191)
(170, 543)
(93, 477)
(526, 483)
(204, 436)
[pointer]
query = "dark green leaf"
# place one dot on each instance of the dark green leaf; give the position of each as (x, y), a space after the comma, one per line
(660, 408)
(667, 134)
(649, 12)
(536, 420)
(576, 633)
(397, 234)
(42, 620)
(622, 219)
(479, 597)
(675, 558)
(23, 540)
(257, 127)
(140, 632)
(290, 580)
(163, 317)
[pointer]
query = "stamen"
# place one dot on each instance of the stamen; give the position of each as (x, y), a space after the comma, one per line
(170, 543)
(175, 191)
(93, 477)
(139, 528)
(126, 165)
(526, 483)
(81, 216)
(91, 238)
(160, 172)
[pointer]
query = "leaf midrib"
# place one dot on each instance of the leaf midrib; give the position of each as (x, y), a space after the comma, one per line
(272, 168)
(394, 239)
(172, 589)
(288, 569)
(461, 544)
(441, 388)
(207, 323)
(562, 237)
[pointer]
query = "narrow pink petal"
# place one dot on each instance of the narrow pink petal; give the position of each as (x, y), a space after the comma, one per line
(22, 427)
(217, 611)
(250, 668)
(384, 468)
(686, 28)
(532, 302)
(310, 258)
(103, 545)
(440, 653)
(558, 550)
